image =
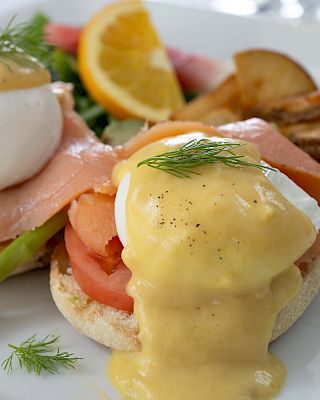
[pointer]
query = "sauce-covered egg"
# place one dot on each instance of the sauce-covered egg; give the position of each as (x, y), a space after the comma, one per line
(289, 189)
(30, 121)
(213, 263)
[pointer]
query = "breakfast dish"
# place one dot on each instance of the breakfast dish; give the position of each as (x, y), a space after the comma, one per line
(184, 246)
(176, 230)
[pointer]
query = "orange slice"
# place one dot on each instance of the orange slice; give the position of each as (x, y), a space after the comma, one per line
(124, 65)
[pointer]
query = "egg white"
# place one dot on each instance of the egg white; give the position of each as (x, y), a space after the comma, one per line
(30, 132)
(297, 196)
(120, 208)
(289, 189)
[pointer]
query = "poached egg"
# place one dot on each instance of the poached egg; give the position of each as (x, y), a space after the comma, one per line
(30, 121)
(289, 189)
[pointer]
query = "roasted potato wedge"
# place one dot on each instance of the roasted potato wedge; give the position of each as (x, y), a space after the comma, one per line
(309, 141)
(300, 108)
(306, 136)
(225, 96)
(268, 85)
(291, 130)
(266, 75)
(221, 116)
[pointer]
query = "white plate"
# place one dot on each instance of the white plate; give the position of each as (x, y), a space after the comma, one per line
(26, 306)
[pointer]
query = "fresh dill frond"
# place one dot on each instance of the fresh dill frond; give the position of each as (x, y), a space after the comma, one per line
(197, 152)
(18, 41)
(40, 355)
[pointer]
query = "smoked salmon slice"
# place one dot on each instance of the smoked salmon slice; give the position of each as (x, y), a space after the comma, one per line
(92, 217)
(278, 151)
(80, 164)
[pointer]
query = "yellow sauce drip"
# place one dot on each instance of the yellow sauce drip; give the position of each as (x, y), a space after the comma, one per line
(212, 261)
(22, 75)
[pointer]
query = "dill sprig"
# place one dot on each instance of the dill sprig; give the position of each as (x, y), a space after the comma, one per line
(40, 355)
(23, 41)
(197, 152)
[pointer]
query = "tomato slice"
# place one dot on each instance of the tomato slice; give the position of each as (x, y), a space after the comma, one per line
(90, 272)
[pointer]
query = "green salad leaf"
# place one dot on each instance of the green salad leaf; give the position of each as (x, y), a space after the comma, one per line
(118, 132)
(63, 67)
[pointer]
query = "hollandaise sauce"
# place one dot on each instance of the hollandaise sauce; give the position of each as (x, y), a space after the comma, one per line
(22, 72)
(212, 260)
